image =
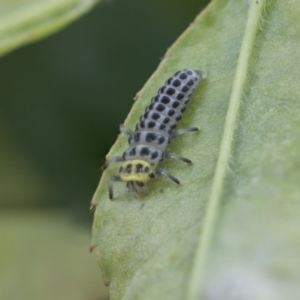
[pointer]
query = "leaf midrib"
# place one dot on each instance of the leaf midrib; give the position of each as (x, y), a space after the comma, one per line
(231, 122)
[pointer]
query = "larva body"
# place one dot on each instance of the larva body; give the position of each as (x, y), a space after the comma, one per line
(154, 132)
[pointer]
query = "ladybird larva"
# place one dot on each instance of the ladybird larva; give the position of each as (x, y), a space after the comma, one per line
(154, 132)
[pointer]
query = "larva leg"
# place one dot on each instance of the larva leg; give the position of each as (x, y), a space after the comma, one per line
(125, 130)
(161, 171)
(182, 131)
(176, 156)
(112, 160)
(112, 179)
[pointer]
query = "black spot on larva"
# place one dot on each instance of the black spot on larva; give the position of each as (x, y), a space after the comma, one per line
(160, 107)
(176, 82)
(161, 139)
(162, 90)
(169, 81)
(150, 137)
(165, 99)
(190, 82)
(183, 76)
(170, 130)
(187, 101)
(180, 96)
(155, 99)
(124, 155)
(171, 112)
(173, 126)
(132, 151)
(146, 169)
(151, 124)
(183, 108)
(177, 73)
(139, 168)
(185, 89)
(128, 168)
(189, 72)
(150, 107)
(154, 155)
(140, 184)
(136, 137)
(121, 169)
(151, 175)
(146, 115)
(162, 126)
(166, 120)
(155, 116)
(175, 104)
(142, 124)
(170, 91)
(195, 78)
(144, 151)
(178, 118)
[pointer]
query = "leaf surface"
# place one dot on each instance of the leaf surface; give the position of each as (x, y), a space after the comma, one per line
(231, 227)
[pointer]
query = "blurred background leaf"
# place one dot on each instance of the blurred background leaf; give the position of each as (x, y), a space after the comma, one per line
(24, 21)
(43, 255)
(62, 100)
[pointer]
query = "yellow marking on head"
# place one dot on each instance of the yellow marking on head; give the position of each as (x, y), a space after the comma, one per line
(135, 170)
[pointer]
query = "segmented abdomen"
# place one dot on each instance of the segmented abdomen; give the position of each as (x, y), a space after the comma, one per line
(152, 133)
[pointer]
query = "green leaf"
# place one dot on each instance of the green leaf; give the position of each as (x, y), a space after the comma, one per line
(24, 21)
(231, 230)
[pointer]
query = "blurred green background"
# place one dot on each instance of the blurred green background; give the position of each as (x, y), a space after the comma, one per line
(62, 100)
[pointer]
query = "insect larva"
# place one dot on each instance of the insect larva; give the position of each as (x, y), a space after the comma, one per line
(154, 132)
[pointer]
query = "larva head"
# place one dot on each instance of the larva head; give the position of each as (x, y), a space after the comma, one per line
(137, 188)
(135, 170)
